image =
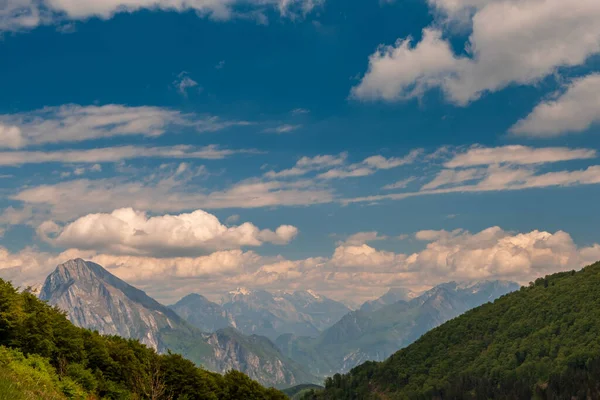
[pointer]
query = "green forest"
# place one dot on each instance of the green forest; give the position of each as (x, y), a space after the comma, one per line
(44, 356)
(541, 342)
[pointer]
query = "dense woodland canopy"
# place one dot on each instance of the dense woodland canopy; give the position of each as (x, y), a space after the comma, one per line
(43, 355)
(541, 342)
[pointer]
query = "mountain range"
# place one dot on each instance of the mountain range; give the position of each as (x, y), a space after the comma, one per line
(279, 339)
(263, 313)
(376, 330)
(93, 298)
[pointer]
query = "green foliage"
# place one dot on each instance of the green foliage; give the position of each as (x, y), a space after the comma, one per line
(44, 356)
(540, 342)
(32, 377)
(297, 392)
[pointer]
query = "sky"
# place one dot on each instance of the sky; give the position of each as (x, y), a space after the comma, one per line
(341, 146)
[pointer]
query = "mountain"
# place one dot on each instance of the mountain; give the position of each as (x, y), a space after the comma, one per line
(202, 313)
(392, 296)
(93, 298)
(373, 335)
(260, 312)
(44, 356)
(539, 342)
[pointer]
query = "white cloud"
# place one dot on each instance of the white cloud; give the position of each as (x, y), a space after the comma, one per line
(232, 219)
(401, 184)
(365, 256)
(369, 166)
(184, 82)
(517, 155)
(338, 169)
(75, 123)
(11, 136)
(285, 128)
(27, 14)
(300, 111)
(307, 164)
(512, 42)
(380, 162)
(432, 235)
(116, 154)
(451, 176)
(67, 200)
(128, 231)
(576, 110)
(361, 238)
(498, 178)
(400, 72)
(353, 272)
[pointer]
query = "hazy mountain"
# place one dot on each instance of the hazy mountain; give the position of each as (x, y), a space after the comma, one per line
(374, 335)
(392, 296)
(202, 313)
(260, 312)
(95, 299)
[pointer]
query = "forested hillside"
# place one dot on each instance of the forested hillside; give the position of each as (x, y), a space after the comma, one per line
(539, 342)
(43, 355)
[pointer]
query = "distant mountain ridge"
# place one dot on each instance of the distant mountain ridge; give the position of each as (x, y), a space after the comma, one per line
(392, 296)
(264, 313)
(374, 335)
(95, 299)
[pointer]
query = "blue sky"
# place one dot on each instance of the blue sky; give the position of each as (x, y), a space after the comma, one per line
(329, 119)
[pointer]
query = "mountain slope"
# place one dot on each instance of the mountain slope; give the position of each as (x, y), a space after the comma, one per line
(93, 298)
(361, 336)
(539, 342)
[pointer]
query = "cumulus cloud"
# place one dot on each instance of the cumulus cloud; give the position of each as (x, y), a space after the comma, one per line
(128, 231)
(117, 154)
(352, 272)
(576, 110)
(401, 71)
(75, 123)
(512, 42)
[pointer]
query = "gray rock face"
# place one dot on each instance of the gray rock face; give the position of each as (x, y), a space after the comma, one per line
(93, 298)
(260, 312)
(374, 335)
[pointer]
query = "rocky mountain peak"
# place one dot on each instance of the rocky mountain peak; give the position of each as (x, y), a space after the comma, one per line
(96, 299)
